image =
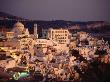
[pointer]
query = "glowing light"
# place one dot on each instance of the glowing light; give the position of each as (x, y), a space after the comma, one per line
(18, 75)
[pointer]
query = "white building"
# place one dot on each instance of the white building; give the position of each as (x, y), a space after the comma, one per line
(27, 45)
(9, 35)
(8, 63)
(43, 43)
(19, 30)
(82, 35)
(59, 35)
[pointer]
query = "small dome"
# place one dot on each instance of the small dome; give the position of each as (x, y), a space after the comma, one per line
(19, 26)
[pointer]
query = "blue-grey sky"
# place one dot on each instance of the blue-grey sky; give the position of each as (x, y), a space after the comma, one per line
(75, 10)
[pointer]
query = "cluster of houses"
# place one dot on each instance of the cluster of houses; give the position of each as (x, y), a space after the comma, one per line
(18, 47)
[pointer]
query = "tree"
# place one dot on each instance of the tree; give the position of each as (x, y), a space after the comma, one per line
(101, 52)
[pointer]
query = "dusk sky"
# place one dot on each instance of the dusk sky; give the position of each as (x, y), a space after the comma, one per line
(76, 10)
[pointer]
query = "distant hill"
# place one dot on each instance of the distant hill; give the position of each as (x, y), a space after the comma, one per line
(8, 20)
(6, 16)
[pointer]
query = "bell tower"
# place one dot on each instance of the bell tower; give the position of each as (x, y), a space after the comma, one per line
(35, 31)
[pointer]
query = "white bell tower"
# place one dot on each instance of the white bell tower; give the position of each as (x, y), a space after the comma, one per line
(35, 31)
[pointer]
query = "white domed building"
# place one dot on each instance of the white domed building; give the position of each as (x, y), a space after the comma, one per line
(19, 30)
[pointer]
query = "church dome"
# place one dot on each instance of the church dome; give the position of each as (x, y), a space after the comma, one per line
(19, 26)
